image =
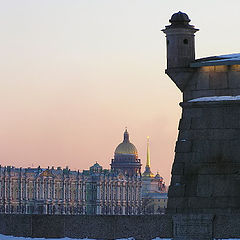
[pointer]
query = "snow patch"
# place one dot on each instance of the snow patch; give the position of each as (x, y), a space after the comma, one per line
(4, 237)
(216, 98)
(233, 55)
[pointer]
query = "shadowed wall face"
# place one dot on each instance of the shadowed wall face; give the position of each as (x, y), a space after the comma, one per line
(97, 227)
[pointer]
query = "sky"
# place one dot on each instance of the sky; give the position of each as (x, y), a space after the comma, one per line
(75, 73)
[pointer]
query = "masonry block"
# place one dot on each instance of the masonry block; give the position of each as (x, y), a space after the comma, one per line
(218, 80)
(234, 79)
(183, 146)
(178, 168)
(193, 227)
(202, 80)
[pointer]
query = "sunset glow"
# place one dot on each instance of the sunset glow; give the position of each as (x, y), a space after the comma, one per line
(75, 73)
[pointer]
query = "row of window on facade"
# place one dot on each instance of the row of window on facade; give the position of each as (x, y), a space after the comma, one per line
(54, 192)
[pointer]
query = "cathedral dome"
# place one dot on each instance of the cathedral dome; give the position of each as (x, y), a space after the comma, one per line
(126, 148)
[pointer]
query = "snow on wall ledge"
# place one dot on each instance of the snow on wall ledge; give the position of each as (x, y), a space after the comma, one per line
(216, 98)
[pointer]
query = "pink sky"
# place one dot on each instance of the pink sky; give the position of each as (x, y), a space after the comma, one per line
(75, 73)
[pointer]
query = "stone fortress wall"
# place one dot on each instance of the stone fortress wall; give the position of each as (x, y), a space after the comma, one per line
(142, 227)
(205, 173)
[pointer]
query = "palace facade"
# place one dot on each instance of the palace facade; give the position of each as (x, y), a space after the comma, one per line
(122, 190)
(62, 191)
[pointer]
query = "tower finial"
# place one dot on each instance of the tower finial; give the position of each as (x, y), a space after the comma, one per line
(148, 153)
(126, 135)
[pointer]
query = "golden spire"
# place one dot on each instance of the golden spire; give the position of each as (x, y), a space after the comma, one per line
(148, 154)
(147, 173)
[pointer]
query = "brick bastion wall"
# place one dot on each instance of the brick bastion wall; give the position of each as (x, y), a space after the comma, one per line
(113, 227)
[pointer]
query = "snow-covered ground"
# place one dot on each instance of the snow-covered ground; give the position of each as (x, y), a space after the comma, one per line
(4, 237)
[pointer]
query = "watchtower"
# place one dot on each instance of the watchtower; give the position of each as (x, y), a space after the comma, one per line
(180, 41)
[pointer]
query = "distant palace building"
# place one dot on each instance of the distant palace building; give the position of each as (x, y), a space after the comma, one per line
(95, 191)
(61, 191)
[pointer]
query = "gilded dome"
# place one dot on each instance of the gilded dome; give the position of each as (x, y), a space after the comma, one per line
(126, 148)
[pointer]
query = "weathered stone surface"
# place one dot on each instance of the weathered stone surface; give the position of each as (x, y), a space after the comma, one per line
(226, 226)
(202, 80)
(184, 124)
(151, 227)
(19, 225)
(183, 146)
(234, 79)
(193, 227)
(182, 157)
(235, 91)
(47, 226)
(201, 93)
(218, 80)
(178, 190)
(178, 168)
(97, 227)
(87, 227)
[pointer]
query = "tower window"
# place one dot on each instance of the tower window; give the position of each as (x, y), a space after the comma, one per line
(185, 41)
(167, 41)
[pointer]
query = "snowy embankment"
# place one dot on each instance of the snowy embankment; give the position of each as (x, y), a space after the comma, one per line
(216, 98)
(4, 237)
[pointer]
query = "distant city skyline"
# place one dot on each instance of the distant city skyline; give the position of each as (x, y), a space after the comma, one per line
(75, 73)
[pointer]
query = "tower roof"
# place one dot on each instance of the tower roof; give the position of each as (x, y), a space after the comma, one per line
(179, 17)
(180, 20)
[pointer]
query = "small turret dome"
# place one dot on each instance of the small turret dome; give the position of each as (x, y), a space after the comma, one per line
(179, 17)
(126, 147)
(96, 168)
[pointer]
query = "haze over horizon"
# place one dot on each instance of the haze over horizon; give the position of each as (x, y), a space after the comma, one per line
(75, 73)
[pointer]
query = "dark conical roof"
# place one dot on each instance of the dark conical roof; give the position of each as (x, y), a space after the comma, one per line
(180, 20)
(179, 17)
